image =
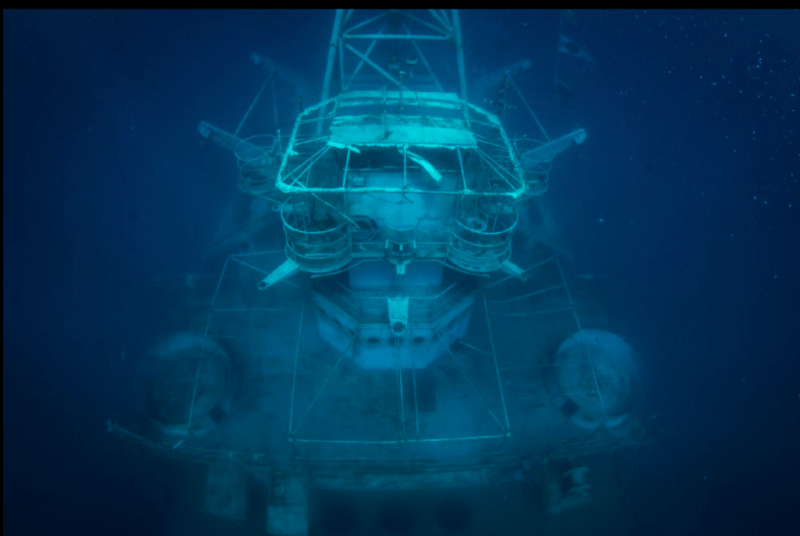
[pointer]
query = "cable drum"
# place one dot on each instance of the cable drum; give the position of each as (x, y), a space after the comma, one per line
(186, 384)
(594, 358)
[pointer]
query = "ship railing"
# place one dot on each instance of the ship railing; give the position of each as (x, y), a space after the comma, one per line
(481, 242)
(258, 158)
(186, 449)
(440, 121)
(319, 240)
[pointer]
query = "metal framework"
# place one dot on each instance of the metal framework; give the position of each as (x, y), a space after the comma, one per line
(343, 355)
(548, 299)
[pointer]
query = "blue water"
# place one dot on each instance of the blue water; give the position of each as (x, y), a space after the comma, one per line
(685, 197)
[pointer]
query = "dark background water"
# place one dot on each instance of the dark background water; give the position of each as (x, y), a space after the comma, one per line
(685, 196)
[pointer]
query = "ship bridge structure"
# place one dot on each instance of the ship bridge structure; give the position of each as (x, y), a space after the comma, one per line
(388, 337)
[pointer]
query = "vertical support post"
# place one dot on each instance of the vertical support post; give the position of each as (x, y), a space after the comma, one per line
(405, 165)
(463, 175)
(294, 373)
(414, 377)
(400, 388)
(341, 64)
(496, 366)
(506, 76)
(462, 70)
(326, 85)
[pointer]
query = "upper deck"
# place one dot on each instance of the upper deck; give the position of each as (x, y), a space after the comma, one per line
(400, 142)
